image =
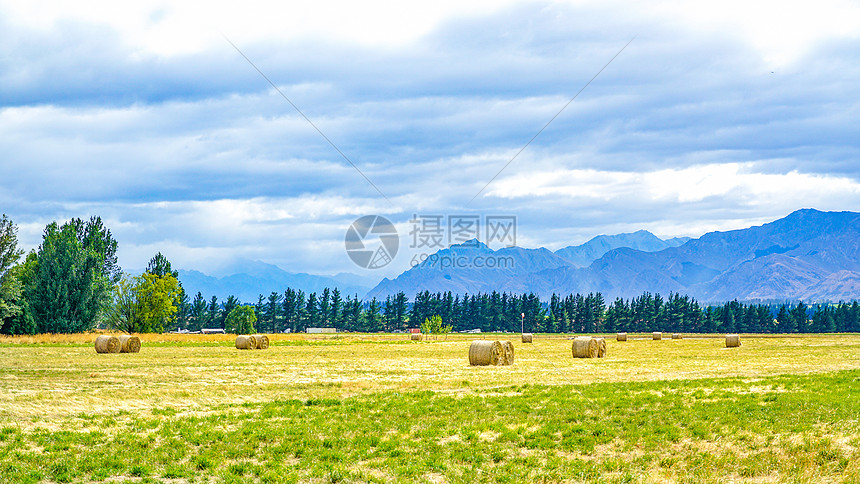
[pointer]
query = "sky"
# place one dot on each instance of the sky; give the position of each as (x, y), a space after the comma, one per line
(715, 116)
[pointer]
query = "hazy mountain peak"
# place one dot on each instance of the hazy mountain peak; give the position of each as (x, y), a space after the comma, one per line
(585, 254)
(470, 244)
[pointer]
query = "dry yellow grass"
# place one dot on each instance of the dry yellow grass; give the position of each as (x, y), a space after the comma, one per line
(41, 381)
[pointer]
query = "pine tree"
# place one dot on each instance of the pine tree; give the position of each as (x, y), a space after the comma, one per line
(799, 317)
(198, 312)
(230, 304)
(784, 321)
(213, 313)
(335, 308)
(272, 311)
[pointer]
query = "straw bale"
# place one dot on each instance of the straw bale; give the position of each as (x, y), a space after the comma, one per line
(262, 341)
(108, 344)
(483, 353)
(246, 342)
(509, 353)
(129, 344)
(585, 347)
(601, 347)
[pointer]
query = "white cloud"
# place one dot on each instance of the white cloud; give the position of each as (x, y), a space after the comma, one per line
(734, 183)
(781, 31)
(178, 28)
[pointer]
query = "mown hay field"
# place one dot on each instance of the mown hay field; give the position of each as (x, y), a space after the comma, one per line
(381, 408)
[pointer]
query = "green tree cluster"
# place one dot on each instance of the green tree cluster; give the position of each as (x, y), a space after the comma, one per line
(433, 325)
(241, 320)
(72, 282)
(145, 303)
(67, 282)
(15, 316)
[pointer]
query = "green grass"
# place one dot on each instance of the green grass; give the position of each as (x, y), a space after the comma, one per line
(789, 428)
(347, 413)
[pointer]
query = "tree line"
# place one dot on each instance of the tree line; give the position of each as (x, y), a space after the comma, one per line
(295, 311)
(72, 283)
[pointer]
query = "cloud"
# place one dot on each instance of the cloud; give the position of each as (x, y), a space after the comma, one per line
(153, 121)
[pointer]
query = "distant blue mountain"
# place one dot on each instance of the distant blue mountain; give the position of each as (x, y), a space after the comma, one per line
(471, 267)
(248, 279)
(583, 255)
(677, 241)
(808, 255)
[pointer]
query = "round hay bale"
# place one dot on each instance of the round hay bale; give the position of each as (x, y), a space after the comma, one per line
(601, 347)
(129, 344)
(620, 336)
(484, 352)
(108, 344)
(262, 341)
(656, 336)
(509, 353)
(585, 347)
(677, 336)
(415, 337)
(733, 341)
(527, 337)
(246, 342)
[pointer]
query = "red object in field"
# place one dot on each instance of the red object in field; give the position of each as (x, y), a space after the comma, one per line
(414, 330)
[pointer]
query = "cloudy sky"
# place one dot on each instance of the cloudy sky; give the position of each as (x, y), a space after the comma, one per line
(716, 116)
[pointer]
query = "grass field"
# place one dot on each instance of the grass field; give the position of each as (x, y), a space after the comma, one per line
(378, 408)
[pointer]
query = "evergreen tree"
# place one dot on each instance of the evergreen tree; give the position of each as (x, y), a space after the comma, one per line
(213, 313)
(352, 313)
(289, 309)
(15, 314)
(373, 317)
(259, 308)
(272, 311)
(160, 266)
(324, 307)
(73, 276)
(784, 321)
(401, 310)
(198, 312)
(800, 318)
(183, 312)
(231, 303)
(312, 317)
(335, 308)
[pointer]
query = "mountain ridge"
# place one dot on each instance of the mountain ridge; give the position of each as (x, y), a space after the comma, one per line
(263, 278)
(808, 254)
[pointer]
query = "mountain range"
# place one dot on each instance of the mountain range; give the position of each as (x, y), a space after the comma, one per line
(247, 279)
(809, 255)
(585, 254)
